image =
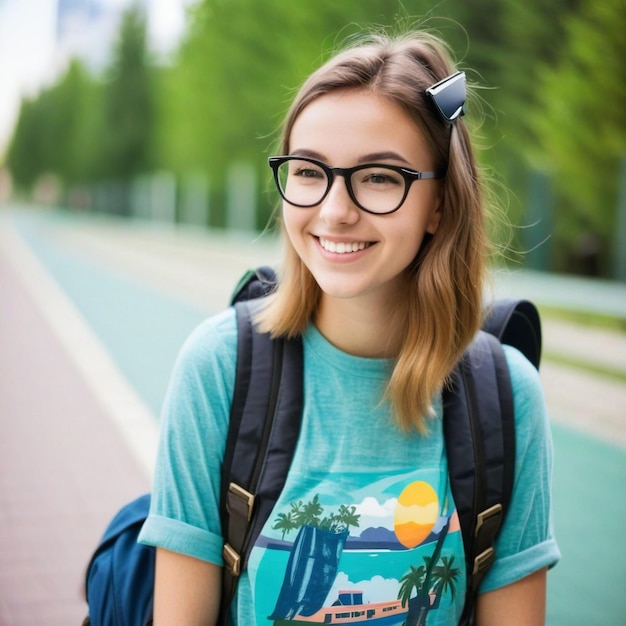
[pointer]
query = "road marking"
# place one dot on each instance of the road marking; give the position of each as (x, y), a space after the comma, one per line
(132, 419)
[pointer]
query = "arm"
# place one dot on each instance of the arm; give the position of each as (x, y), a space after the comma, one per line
(184, 522)
(514, 589)
(522, 603)
(186, 590)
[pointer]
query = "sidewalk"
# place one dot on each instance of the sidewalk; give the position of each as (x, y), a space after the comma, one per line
(566, 292)
(200, 268)
(67, 460)
(63, 467)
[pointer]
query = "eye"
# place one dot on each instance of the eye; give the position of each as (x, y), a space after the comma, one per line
(380, 177)
(307, 172)
(304, 169)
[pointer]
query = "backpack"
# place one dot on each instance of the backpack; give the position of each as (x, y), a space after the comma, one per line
(120, 576)
(479, 432)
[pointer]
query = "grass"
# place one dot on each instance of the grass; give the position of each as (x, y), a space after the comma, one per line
(592, 368)
(585, 318)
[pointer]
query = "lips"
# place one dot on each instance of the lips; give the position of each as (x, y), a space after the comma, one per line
(343, 247)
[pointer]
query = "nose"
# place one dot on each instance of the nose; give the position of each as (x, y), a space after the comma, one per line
(337, 207)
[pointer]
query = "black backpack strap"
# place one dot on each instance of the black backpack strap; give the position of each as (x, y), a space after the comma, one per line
(254, 284)
(516, 323)
(479, 430)
(264, 426)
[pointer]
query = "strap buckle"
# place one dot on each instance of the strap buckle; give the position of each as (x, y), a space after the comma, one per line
(232, 560)
(487, 525)
(239, 504)
(483, 560)
(487, 516)
(241, 494)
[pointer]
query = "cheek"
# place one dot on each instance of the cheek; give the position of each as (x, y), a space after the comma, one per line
(409, 235)
(294, 221)
(427, 212)
(411, 244)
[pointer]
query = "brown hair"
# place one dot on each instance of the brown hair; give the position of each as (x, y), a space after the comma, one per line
(442, 309)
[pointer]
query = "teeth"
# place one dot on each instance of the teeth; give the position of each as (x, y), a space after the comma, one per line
(342, 247)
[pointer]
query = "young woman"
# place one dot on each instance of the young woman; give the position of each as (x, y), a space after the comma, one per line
(383, 278)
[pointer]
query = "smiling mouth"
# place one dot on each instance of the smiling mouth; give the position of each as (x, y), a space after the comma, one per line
(343, 247)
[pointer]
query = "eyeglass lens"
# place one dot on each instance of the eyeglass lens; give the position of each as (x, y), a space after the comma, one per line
(376, 188)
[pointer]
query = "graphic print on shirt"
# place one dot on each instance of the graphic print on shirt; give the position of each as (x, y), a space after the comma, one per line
(391, 557)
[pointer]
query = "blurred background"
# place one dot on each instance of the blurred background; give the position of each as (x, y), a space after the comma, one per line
(134, 192)
(168, 108)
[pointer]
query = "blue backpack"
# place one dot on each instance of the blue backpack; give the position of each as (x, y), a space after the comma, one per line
(478, 427)
(120, 575)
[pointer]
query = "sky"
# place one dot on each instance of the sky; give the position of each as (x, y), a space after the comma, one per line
(28, 53)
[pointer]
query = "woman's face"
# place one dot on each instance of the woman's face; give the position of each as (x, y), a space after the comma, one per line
(352, 253)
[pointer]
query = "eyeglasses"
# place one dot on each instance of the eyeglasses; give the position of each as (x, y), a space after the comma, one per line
(374, 188)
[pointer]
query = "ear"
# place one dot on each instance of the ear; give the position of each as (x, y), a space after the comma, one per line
(435, 216)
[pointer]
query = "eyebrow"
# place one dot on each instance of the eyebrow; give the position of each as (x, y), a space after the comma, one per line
(372, 157)
(383, 156)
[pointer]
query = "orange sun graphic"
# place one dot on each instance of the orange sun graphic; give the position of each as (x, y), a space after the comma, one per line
(416, 513)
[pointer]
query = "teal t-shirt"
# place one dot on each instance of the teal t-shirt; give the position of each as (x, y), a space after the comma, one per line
(366, 527)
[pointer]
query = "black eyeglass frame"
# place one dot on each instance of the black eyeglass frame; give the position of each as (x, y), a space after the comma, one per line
(346, 173)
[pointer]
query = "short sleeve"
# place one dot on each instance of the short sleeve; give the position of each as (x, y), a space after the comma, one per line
(184, 513)
(526, 541)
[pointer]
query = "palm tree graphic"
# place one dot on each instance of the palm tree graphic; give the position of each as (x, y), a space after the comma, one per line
(444, 578)
(310, 514)
(424, 581)
(314, 557)
(427, 579)
(412, 581)
(285, 523)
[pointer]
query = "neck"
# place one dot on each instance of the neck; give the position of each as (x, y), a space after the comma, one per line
(360, 328)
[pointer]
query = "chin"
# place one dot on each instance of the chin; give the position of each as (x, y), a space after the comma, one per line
(339, 293)
(347, 287)
(344, 288)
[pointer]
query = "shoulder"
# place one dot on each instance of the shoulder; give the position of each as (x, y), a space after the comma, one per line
(214, 338)
(207, 360)
(194, 424)
(528, 397)
(526, 542)
(524, 376)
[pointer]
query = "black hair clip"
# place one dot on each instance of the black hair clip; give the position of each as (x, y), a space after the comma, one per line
(449, 97)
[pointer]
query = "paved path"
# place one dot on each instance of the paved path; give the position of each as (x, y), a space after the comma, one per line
(92, 313)
(63, 466)
(201, 269)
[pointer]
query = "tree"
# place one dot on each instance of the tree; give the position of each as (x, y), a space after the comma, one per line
(411, 582)
(58, 131)
(444, 578)
(128, 102)
(285, 522)
(234, 75)
(24, 157)
(554, 98)
(582, 127)
(314, 557)
(75, 130)
(347, 516)
(310, 514)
